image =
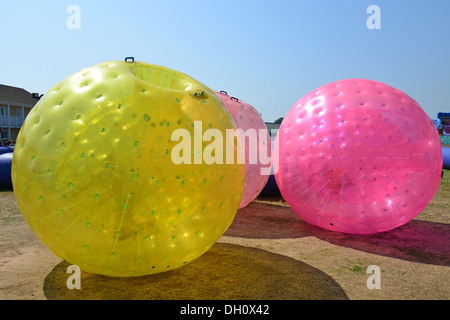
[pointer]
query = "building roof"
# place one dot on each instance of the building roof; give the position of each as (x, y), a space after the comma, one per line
(16, 95)
(271, 125)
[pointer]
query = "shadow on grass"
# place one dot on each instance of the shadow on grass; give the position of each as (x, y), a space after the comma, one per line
(417, 241)
(225, 272)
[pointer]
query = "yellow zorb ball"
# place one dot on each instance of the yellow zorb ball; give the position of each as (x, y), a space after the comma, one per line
(94, 176)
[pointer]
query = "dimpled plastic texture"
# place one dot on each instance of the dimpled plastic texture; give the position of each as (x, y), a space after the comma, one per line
(94, 178)
(250, 122)
(357, 156)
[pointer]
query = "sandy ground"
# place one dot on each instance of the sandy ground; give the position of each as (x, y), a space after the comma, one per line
(267, 253)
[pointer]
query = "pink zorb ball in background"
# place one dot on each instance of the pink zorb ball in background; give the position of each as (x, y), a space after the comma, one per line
(255, 140)
(357, 156)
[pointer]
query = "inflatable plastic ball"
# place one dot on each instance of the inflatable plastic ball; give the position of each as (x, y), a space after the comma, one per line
(357, 156)
(96, 178)
(255, 140)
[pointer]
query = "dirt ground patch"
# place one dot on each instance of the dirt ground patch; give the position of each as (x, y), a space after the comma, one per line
(267, 253)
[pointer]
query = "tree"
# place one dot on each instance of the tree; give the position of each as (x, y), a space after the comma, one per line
(279, 120)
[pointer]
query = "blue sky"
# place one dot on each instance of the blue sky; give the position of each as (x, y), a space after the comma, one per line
(267, 53)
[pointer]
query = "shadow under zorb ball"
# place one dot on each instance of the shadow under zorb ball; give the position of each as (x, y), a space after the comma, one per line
(95, 178)
(357, 156)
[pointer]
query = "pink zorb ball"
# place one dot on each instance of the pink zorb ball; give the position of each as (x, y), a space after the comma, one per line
(255, 141)
(357, 156)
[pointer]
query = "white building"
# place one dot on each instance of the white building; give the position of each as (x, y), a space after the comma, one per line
(15, 104)
(273, 129)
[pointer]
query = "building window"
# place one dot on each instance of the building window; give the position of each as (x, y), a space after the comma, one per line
(4, 133)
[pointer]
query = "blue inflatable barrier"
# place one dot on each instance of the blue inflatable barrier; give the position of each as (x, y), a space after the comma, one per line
(6, 150)
(271, 188)
(446, 157)
(5, 170)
